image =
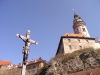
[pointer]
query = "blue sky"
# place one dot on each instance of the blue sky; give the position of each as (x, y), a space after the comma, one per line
(47, 20)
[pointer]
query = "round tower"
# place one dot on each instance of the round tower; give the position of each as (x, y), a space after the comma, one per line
(79, 26)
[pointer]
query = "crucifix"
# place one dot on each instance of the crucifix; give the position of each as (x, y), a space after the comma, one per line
(26, 49)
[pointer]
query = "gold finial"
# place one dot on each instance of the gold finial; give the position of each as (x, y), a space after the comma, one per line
(73, 10)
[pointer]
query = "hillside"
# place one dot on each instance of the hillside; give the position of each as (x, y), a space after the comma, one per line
(74, 62)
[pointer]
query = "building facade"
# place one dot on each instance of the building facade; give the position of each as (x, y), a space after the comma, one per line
(5, 64)
(34, 66)
(78, 40)
(69, 44)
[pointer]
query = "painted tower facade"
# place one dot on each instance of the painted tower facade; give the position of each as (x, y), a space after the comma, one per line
(79, 26)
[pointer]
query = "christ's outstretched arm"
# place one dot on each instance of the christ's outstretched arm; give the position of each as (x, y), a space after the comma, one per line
(22, 37)
(32, 42)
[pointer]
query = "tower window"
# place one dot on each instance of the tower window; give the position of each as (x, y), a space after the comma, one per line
(80, 47)
(82, 26)
(83, 29)
(77, 30)
(70, 47)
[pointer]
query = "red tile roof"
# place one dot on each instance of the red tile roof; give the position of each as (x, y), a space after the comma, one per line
(72, 34)
(5, 62)
(32, 62)
(36, 61)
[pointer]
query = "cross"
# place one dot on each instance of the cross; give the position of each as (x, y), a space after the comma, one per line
(26, 49)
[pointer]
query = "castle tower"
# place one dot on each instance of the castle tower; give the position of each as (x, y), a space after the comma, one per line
(79, 26)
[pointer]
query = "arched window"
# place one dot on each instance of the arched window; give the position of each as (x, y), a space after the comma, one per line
(83, 29)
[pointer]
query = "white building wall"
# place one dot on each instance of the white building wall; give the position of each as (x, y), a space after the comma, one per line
(72, 44)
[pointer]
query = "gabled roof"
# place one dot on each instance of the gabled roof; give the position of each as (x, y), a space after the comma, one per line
(35, 61)
(5, 62)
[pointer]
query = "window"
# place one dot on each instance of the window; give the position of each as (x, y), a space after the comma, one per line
(83, 29)
(68, 40)
(70, 47)
(77, 30)
(33, 72)
(82, 25)
(28, 67)
(79, 40)
(87, 41)
(80, 47)
(34, 66)
(29, 72)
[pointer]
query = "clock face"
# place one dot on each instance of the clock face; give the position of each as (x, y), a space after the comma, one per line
(79, 20)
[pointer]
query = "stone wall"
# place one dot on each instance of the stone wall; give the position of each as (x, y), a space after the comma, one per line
(69, 45)
(29, 67)
(34, 68)
(61, 48)
(72, 44)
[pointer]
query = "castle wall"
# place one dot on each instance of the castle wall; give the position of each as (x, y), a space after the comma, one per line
(72, 44)
(61, 48)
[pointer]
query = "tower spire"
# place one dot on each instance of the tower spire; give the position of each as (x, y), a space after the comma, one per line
(75, 15)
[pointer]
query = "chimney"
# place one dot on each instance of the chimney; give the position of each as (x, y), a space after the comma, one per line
(19, 64)
(33, 60)
(40, 58)
(68, 34)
